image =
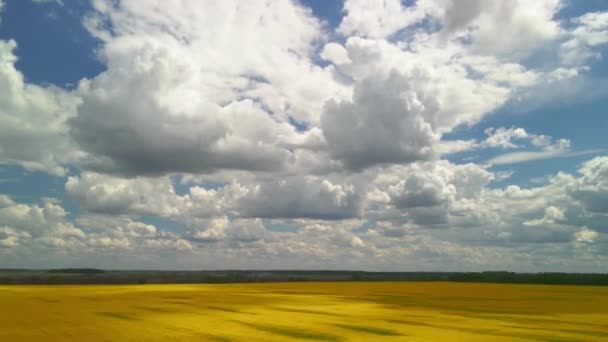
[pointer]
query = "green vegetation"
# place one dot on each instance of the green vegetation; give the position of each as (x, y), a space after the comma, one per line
(95, 276)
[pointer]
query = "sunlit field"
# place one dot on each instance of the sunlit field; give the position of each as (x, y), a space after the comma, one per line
(391, 311)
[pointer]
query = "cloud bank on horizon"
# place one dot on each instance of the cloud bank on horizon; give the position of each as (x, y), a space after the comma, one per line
(261, 134)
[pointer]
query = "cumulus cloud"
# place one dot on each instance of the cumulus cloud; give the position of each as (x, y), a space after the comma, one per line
(299, 197)
(139, 196)
(585, 235)
(10, 237)
(493, 27)
(438, 75)
(590, 31)
(238, 230)
(380, 19)
(591, 189)
(513, 28)
(335, 53)
(552, 215)
(33, 130)
(503, 137)
(200, 106)
(425, 194)
(442, 179)
(387, 124)
(404, 201)
(35, 219)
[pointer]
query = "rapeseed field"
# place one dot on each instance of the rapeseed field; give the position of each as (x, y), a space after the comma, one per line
(347, 311)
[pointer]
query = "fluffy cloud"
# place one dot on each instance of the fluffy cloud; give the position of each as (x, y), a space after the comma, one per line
(480, 22)
(140, 196)
(206, 114)
(552, 215)
(288, 197)
(421, 190)
(208, 95)
(440, 179)
(514, 217)
(591, 30)
(585, 235)
(10, 237)
(335, 53)
(387, 124)
(33, 130)
(425, 194)
(591, 189)
(380, 19)
(447, 94)
(522, 26)
(503, 137)
(394, 220)
(34, 219)
(299, 197)
(239, 230)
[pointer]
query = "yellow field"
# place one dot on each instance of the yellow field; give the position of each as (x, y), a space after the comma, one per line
(395, 311)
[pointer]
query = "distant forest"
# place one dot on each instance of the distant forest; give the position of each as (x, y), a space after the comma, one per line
(97, 276)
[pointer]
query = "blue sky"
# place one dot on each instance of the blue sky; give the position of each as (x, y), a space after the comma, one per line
(314, 134)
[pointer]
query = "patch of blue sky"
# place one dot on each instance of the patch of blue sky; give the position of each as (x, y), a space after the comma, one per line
(330, 11)
(163, 224)
(285, 227)
(583, 123)
(29, 186)
(575, 8)
(53, 46)
(182, 187)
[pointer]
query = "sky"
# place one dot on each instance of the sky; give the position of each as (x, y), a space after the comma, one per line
(419, 135)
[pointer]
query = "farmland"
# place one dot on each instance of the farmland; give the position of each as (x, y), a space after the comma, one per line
(329, 311)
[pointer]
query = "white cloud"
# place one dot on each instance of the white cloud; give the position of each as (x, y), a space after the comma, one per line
(222, 228)
(56, 2)
(205, 90)
(140, 196)
(437, 75)
(379, 19)
(387, 124)
(519, 138)
(33, 130)
(10, 237)
(591, 30)
(335, 53)
(522, 157)
(513, 28)
(537, 146)
(585, 235)
(552, 216)
(500, 219)
(298, 197)
(503, 137)
(591, 189)
(5, 201)
(215, 231)
(425, 194)
(34, 219)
